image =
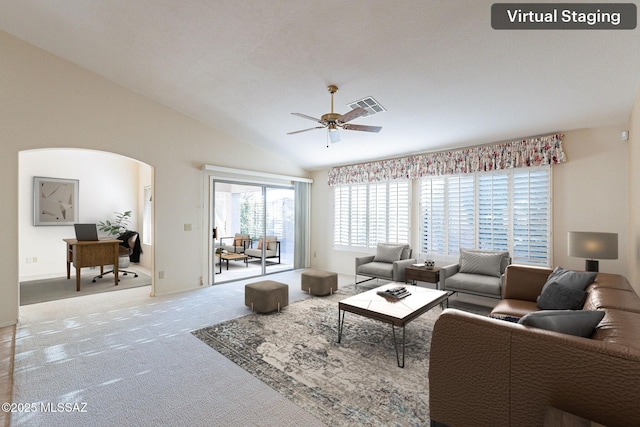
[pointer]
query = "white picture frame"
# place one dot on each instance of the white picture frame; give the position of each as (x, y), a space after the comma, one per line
(55, 201)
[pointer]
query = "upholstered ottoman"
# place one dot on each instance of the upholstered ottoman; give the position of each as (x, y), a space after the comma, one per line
(318, 282)
(266, 296)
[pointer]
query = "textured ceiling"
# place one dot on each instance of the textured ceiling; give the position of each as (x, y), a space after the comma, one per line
(445, 77)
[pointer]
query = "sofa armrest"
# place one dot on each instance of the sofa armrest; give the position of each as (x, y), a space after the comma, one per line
(524, 282)
(469, 370)
(363, 260)
(399, 267)
(520, 371)
(447, 271)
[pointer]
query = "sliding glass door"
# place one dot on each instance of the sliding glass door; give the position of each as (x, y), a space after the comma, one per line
(254, 230)
(280, 221)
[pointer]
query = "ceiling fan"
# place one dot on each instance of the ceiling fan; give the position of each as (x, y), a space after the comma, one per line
(332, 121)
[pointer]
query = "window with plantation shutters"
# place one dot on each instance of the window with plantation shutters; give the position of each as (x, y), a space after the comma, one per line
(505, 210)
(432, 212)
(398, 212)
(368, 214)
(493, 211)
(532, 216)
(358, 216)
(461, 222)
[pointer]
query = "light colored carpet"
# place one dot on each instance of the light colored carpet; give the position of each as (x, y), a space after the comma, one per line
(355, 382)
(37, 291)
(133, 360)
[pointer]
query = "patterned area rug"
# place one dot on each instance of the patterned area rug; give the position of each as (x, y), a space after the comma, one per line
(353, 382)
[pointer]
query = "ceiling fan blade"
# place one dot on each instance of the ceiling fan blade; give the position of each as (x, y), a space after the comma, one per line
(353, 114)
(304, 130)
(334, 136)
(304, 116)
(363, 128)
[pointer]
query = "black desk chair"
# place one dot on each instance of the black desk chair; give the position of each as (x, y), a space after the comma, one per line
(124, 261)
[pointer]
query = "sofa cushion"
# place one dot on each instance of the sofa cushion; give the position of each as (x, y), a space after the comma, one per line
(474, 284)
(481, 262)
(406, 252)
(376, 269)
(257, 253)
(406, 249)
(239, 239)
(561, 297)
(573, 322)
(513, 308)
(388, 253)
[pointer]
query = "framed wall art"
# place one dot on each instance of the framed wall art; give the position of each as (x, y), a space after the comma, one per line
(55, 201)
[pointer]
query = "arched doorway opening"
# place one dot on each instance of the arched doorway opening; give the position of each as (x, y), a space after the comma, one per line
(107, 183)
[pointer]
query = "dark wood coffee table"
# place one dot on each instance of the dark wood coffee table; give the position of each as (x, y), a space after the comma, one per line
(397, 312)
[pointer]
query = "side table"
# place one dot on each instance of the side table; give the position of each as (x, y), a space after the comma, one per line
(414, 274)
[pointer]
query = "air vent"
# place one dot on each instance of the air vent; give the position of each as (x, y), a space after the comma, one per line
(369, 104)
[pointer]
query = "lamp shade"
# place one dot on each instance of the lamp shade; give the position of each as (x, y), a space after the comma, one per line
(593, 245)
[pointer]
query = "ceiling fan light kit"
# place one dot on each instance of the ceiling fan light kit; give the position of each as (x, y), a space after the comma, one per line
(332, 121)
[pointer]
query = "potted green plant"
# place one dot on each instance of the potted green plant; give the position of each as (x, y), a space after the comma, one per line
(118, 226)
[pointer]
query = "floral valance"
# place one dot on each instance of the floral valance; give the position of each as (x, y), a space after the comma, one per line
(537, 151)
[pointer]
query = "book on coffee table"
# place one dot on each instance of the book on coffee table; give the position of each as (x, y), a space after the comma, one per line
(397, 293)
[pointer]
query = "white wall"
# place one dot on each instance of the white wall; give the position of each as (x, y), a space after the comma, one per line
(589, 194)
(145, 178)
(633, 244)
(50, 103)
(108, 184)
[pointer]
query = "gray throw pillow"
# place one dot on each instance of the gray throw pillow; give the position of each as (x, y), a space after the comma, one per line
(580, 323)
(573, 279)
(406, 252)
(475, 262)
(561, 297)
(388, 253)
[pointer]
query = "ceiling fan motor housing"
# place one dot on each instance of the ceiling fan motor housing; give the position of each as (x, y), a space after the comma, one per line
(330, 117)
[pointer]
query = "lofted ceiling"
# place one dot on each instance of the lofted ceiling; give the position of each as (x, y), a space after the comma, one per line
(445, 77)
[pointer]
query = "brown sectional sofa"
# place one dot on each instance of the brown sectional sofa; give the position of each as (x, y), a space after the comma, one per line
(486, 371)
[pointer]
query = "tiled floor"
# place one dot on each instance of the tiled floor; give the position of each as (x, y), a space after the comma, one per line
(7, 350)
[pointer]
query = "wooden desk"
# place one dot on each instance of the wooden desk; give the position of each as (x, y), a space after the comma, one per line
(92, 254)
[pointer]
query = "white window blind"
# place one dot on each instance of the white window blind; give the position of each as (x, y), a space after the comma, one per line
(377, 213)
(505, 210)
(460, 213)
(399, 212)
(493, 211)
(532, 216)
(432, 203)
(358, 215)
(368, 214)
